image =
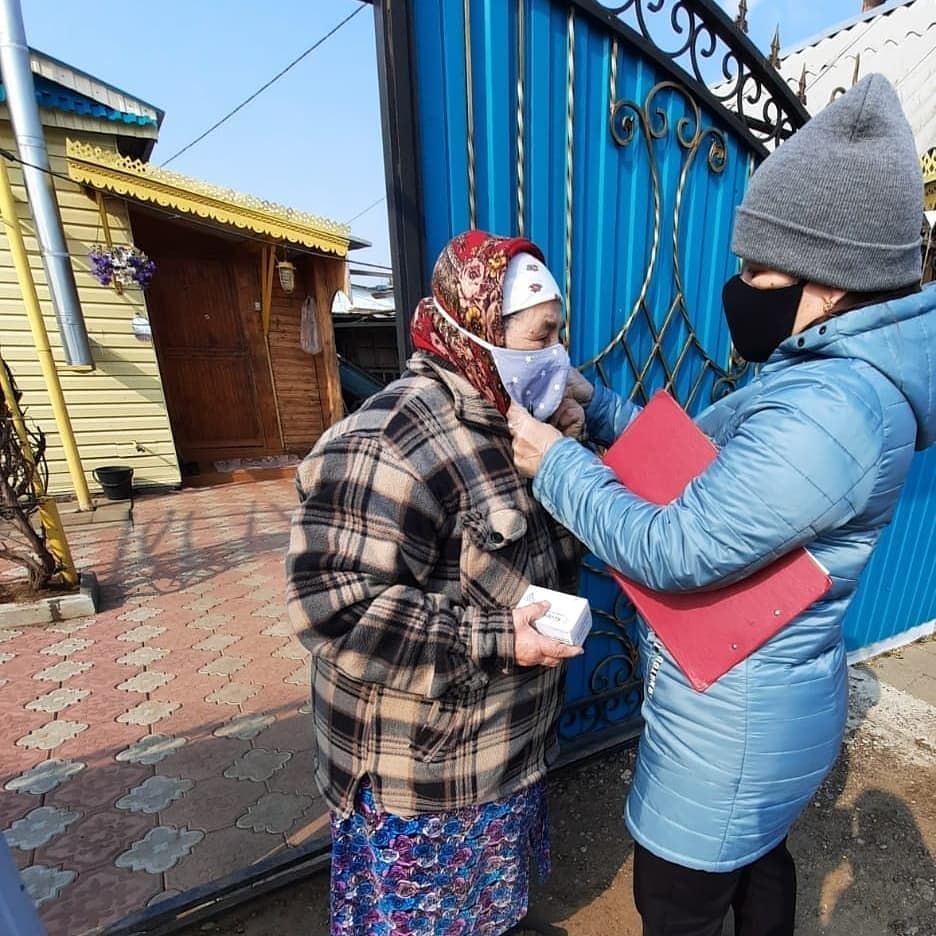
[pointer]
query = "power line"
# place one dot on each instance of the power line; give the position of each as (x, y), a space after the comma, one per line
(188, 218)
(263, 88)
(360, 214)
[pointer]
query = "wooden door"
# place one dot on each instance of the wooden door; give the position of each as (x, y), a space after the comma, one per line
(205, 359)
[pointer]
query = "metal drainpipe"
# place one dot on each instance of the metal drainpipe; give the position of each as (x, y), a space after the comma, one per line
(30, 142)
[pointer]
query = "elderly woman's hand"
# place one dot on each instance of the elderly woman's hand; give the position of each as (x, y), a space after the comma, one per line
(531, 648)
(579, 388)
(532, 439)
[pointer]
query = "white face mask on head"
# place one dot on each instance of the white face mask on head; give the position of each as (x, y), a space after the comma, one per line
(536, 380)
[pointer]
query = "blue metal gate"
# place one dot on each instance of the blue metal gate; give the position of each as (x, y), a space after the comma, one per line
(618, 138)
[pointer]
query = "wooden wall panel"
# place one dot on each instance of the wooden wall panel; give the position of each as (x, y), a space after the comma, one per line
(118, 410)
(299, 375)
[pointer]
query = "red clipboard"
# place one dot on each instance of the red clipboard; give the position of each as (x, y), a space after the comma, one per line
(707, 633)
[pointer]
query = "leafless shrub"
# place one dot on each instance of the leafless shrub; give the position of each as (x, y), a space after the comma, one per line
(22, 541)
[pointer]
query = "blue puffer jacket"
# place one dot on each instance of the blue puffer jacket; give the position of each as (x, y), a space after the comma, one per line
(813, 453)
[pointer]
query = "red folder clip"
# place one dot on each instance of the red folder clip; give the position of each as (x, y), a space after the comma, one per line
(706, 632)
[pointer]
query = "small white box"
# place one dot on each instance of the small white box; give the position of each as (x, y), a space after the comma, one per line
(568, 619)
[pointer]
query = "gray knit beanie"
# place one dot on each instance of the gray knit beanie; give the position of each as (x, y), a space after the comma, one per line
(841, 201)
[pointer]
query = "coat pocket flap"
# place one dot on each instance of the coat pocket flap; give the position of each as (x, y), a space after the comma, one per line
(495, 529)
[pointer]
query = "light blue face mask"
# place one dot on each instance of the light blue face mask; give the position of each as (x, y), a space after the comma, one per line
(536, 380)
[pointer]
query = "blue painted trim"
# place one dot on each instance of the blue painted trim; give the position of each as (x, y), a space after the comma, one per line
(55, 97)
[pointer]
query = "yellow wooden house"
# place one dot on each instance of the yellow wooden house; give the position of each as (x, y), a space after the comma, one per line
(929, 178)
(205, 368)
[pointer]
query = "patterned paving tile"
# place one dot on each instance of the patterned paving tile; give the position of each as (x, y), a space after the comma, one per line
(38, 827)
(143, 613)
(146, 682)
(233, 693)
(245, 726)
(43, 883)
(142, 633)
(257, 765)
(157, 586)
(216, 643)
(224, 852)
(7, 634)
(95, 840)
(204, 604)
(210, 622)
(274, 812)
(300, 677)
(151, 749)
(178, 636)
(292, 651)
(148, 713)
(98, 786)
(14, 806)
(51, 735)
(72, 627)
(196, 718)
(297, 776)
(279, 698)
(213, 804)
(142, 656)
(101, 709)
(155, 794)
(67, 647)
(160, 849)
(224, 666)
(202, 758)
(267, 594)
(57, 700)
(18, 722)
(290, 732)
(60, 672)
(44, 777)
(106, 893)
(267, 669)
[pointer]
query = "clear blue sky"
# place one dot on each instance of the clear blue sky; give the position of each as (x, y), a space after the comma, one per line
(312, 141)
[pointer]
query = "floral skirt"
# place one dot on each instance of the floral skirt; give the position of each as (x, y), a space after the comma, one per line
(461, 873)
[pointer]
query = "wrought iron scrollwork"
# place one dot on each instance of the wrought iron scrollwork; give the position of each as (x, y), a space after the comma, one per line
(615, 683)
(701, 40)
(650, 121)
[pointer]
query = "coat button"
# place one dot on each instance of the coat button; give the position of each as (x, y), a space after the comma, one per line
(800, 343)
(823, 330)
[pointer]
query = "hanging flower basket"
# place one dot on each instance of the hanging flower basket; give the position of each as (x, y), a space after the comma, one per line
(121, 266)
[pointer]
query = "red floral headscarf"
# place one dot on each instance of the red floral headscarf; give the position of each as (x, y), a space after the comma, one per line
(468, 282)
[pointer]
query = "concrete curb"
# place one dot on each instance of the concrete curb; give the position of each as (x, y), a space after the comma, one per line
(53, 610)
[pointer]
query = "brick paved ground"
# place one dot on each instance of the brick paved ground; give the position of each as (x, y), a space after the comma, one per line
(165, 742)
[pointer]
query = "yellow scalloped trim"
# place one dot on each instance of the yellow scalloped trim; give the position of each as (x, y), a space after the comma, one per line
(928, 161)
(111, 172)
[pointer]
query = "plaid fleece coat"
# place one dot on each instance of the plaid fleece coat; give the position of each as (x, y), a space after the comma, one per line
(415, 539)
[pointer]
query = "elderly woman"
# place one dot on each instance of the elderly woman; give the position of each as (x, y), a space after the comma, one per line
(814, 452)
(435, 700)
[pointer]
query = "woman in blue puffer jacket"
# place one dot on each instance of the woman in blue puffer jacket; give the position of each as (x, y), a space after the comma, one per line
(813, 453)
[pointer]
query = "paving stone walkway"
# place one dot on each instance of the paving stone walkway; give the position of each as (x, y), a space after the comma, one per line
(165, 742)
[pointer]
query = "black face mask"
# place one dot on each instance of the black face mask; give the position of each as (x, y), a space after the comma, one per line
(760, 319)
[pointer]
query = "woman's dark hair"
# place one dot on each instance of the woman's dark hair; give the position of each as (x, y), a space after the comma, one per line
(858, 300)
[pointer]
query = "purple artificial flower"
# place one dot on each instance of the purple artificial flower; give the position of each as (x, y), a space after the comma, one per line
(126, 266)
